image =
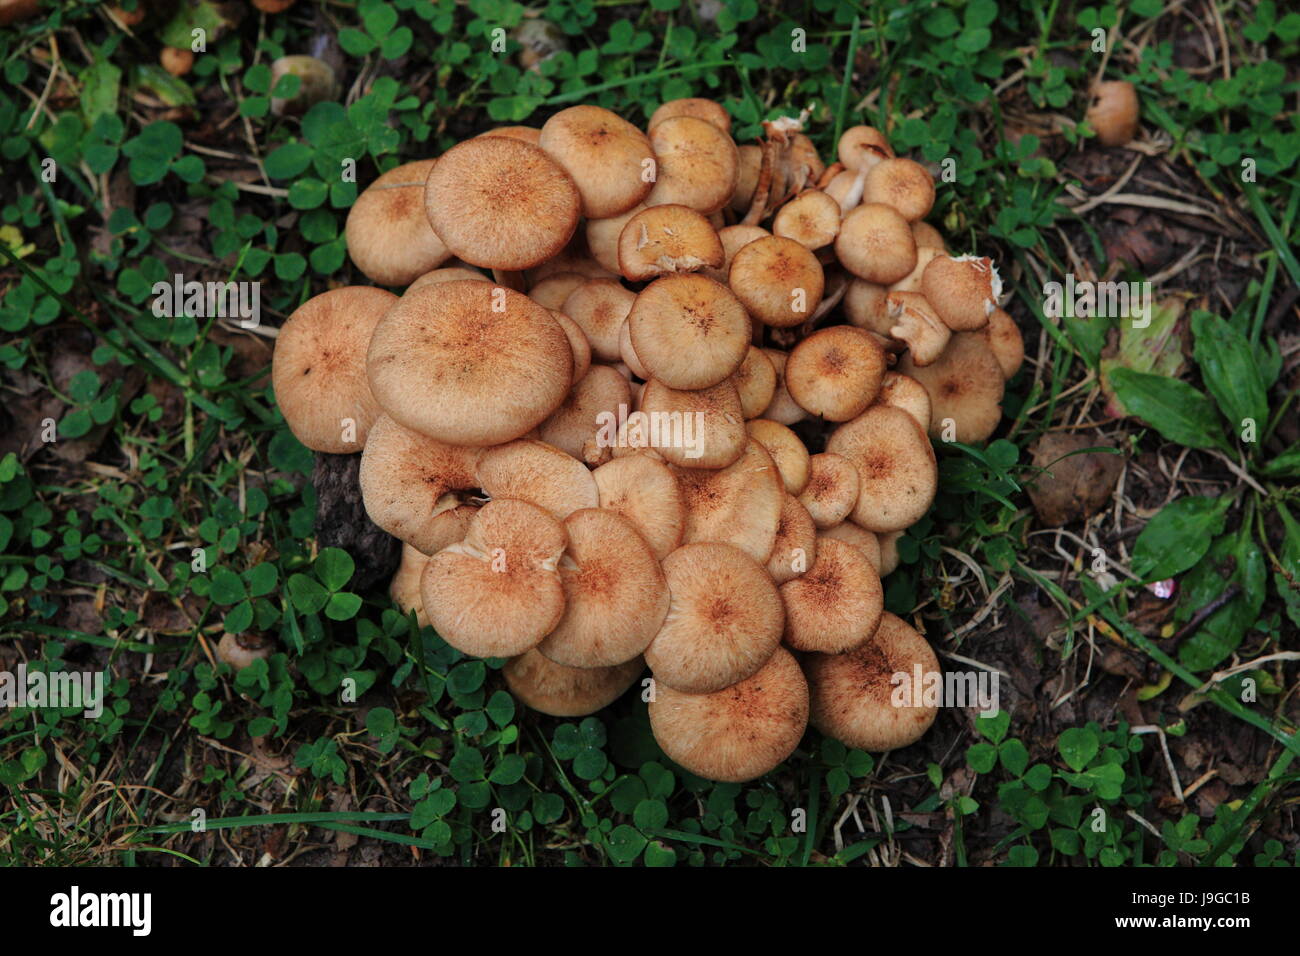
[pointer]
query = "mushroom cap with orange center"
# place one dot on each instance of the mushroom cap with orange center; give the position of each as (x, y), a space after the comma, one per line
(897, 472)
(388, 235)
(604, 153)
(778, 280)
(836, 604)
(689, 332)
(965, 386)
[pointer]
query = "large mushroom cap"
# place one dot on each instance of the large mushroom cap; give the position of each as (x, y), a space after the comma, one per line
(724, 619)
(645, 492)
(836, 604)
(738, 733)
(498, 593)
(605, 154)
(538, 473)
(689, 332)
(501, 203)
(702, 428)
(697, 164)
(469, 363)
(835, 373)
(551, 688)
(616, 595)
(854, 699)
(779, 281)
(897, 472)
(667, 240)
(965, 385)
(404, 479)
(738, 505)
(318, 370)
(388, 235)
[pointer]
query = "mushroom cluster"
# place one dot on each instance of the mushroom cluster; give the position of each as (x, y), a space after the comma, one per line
(649, 398)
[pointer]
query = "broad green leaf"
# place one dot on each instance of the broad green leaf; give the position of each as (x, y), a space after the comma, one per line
(1234, 559)
(1078, 746)
(1285, 465)
(334, 567)
(1230, 371)
(1178, 536)
(307, 594)
(1173, 408)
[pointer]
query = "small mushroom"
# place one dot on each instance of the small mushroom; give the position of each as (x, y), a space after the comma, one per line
(176, 60)
(698, 107)
(575, 426)
(965, 386)
(855, 699)
(688, 332)
(863, 147)
(1005, 341)
(404, 589)
(738, 505)
(779, 282)
(795, 549)
(897, 472)
(755, 382)
(782, 408)
(538, 473)
(836, 604)
(811, 219)
(600, 307)
(559, 691)
(317, 82)
(700, 428)
(917, 324)
(318, 370)
(740, 732)
(903, 391)
(832, 489)
(554, 289)
(724, 620)
(697, 164)
(1113, 112)
(865, 541)
(605, 155)
(645, 492)
(667, 239)
(902, 183)
(241, 650)
(964, 290)
(876, 244)
(389, 237)
(835, 373)
(787, 450)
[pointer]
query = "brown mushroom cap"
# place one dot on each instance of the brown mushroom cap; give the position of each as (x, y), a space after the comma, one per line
(600, 307)
(865, 304)
(738, 733)
(896, 467)
(965, 386)
(836, 604)
(963, 290)
(912, 281)
(927, 236)
(865, 541)
(1005, 341)
(889, 551)
(787, 450)
(861, 146)
(782, 408)
(575, 428)
(404, 478)
(811, 219)
(318, 370)
(501, 203)
(903, 391)
(755, 382)
(577, 342)
(604, 153)
(750, 160)
(551, 291)
(616, 596)
(469, 363)
(702, 428)
(697, 164)
(831, 490)
(854, 699)
(696, 106)
(528, 134)
(645, 492)
(796, 542)
(538, 473)
(778, 280)
(835, 373)
(447, 274)
(602, 238)
(667, 239)
(551, 688)
(688, 332)
(497, 593)
(388, 235)
(724, 619)
(733, 239)
(404, 589)
(875, 243)
(738, 505)
(1113, 112)
(902, 183)
(916, 323)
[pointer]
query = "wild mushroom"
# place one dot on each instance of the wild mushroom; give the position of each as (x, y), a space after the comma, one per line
(667, 239)
(1005, 341)
(697, 164)
(318, 370)
(866, 306)
(498, 592)
(646, 493)
(600, 307)
(755, 382)
(836, 604)
(388, 235)
(538, 473)
(795, 549)
(740, 732)
(965, 386)
(835, 373)
(604, 153)
(917, 324)
(724, 620)
(575, 426)
(242, 650)
(862, 147)
(578, 343)
(832, 489)
(404, 589)
(865, 541)
(738, 505)
(782, 408)
(733, 239)
(469, 363)
(696, 106)
(876, 244)
(779, 282)
(501, 203)
(688, 332)
(811, 219)
(860, 698)
(701, 428)
(554, 289)
(1113, 112)
(405, 479)
(602, 237)
(448, 274)
(903, 391)
(787, 450)
(902, 183)
(963, 290)
(896, 467)
(559, 691)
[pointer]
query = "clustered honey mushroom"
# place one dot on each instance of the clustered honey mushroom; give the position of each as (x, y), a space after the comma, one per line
(560, 279)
